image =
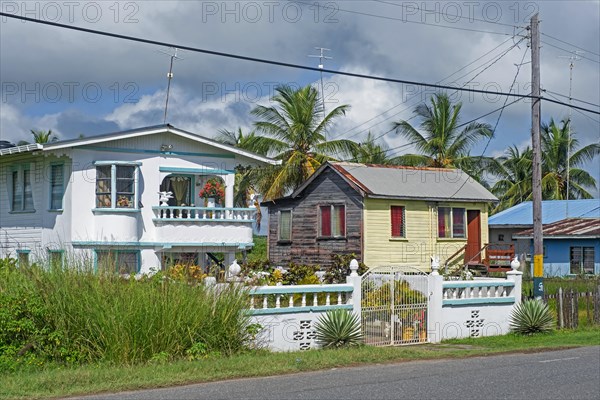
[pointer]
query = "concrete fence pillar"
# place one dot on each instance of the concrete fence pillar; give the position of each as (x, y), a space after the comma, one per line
(434, 315)
(516, 276)
(356, 281)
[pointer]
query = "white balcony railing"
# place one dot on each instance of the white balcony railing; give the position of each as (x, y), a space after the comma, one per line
(203, 214)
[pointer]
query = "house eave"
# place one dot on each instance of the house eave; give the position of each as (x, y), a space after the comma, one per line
(431, 199)
(27, 148)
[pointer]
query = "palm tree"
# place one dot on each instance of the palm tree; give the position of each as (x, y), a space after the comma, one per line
(555, 142)
(514, 173)
(40, 136)
(440, 140)
(245, 176)
(372, 152)
(295, 131)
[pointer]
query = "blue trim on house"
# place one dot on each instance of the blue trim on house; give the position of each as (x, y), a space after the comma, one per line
(23, 251)
(291, 310)
(481, 300)
(126, 163)
(195, 171)
(116, 210)
(146, 151)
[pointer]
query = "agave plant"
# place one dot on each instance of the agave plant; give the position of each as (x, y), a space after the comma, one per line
(531, 316)
(338, 328)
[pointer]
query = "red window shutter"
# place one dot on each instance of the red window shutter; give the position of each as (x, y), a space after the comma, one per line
(325, 221)
(397, 221)
(342, 211)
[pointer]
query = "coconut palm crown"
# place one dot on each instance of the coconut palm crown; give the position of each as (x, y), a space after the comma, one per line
(295, 129)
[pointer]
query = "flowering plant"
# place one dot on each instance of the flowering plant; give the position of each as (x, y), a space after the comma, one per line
(213, 188)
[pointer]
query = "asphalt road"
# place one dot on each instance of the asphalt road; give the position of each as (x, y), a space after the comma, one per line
(565, 374)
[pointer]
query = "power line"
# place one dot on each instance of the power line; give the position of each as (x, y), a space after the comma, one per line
(580, 112)
(567, 51)
(571, 98)
(279, 63)
(570, 44)
(401, 19)
(440, 81)
(446, 14)
(498, 119)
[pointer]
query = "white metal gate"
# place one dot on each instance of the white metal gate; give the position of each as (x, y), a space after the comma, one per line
(394, 306)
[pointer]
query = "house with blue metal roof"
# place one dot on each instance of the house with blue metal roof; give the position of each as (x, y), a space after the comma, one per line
(504, 226)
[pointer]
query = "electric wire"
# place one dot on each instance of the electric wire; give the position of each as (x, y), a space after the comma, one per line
(570, 52)
(280, 63)
(386, 17)
(570, 44)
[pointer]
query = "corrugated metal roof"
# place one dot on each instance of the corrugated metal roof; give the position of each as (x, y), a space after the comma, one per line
(570, 227)
(26, 148)
(436, 184)
(552, 211)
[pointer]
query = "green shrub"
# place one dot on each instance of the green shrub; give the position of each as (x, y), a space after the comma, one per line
(338, 328)
(340, 268)
(74, 315)
(531, 316)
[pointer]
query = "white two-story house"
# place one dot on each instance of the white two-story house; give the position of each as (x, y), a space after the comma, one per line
(97, 199)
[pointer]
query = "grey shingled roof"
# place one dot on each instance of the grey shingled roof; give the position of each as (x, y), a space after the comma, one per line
(414, 183)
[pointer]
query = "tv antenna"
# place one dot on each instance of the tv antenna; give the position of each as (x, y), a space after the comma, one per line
(322, 57)
(575, 56)
(173, 55)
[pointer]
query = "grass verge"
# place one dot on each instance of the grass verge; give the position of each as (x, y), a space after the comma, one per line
(58, 382)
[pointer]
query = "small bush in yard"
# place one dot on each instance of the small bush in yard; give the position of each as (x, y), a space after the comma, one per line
(531, 316)
(338, 328)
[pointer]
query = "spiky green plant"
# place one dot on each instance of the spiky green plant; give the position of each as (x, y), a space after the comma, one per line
(531, 316)
(338, 328)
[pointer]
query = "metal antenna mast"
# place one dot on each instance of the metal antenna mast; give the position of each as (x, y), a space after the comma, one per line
(572, 59)
(322, 57)
(173, 56)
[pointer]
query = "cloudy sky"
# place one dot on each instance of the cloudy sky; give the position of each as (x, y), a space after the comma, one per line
(78, 83)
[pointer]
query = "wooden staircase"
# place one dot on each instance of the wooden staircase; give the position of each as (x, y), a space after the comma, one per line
(492, 257)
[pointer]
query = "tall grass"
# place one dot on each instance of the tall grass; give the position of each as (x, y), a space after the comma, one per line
(76, 315)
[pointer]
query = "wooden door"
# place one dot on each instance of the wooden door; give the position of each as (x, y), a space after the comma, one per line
(473, 237)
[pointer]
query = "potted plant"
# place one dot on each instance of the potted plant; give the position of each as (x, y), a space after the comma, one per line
(213, 189)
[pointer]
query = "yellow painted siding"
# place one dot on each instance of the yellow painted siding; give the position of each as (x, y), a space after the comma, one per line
(420, 241)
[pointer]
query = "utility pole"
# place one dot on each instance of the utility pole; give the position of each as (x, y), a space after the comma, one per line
(322, 57)
(538, 245)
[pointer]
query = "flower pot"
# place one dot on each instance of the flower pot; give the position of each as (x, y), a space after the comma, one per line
(408, 334)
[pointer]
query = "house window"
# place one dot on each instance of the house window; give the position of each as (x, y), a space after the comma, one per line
(501, 237)
(23, 257)
(115, 186)
(56, 258)
(22, 194)
(284, 231)
(121, 261)
(56, 186)
(451, 222)
(397, 221)
(332, 221)
(582, 260)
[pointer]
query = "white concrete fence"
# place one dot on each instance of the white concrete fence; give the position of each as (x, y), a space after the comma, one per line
(456, 309)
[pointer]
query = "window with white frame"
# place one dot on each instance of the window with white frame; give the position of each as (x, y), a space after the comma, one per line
(21, 189)
(116, 185)
(284, 230)
(57, 186)
(451, 222)
(332, 220)
(123, 262)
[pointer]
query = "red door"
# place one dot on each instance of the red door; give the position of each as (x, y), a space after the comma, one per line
(473, 237)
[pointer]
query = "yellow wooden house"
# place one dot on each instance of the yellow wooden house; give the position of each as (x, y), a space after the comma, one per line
(386, 215)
